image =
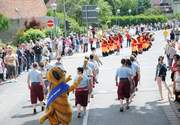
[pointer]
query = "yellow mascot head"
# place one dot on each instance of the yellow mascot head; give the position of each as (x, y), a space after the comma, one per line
(55, 76)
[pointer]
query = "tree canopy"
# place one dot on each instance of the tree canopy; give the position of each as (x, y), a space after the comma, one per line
(4, 22)
(107, 8)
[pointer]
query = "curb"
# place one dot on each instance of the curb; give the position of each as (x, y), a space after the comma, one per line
(173, 106)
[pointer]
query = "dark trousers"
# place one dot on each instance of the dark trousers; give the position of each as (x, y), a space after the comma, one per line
(38, 58)
(85, 48)
(128, 43)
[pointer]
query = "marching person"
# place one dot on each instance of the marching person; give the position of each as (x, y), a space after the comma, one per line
(136, 71)
(96, 58)
(128, 37)
(123, 78)
(88, 72)
(35, 84)
(92, 65)
(81, 92)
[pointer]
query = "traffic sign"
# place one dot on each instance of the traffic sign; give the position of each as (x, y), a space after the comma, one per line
(50, 23)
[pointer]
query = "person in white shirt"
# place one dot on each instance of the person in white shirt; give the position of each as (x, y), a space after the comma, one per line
(36, 84)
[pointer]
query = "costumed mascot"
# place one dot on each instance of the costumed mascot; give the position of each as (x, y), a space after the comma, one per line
(58, 109)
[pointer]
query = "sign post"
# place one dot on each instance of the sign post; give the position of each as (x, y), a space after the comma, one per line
(50, 24)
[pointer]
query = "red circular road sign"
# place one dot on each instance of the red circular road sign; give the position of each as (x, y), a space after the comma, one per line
(50, 23)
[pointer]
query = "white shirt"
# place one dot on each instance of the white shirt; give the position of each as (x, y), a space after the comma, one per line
(35, 76)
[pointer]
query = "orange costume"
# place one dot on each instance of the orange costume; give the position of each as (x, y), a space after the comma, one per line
(134, 46)
(140, 44)
(104, 47)
(116, 43)
(120, 39)
(111, 42)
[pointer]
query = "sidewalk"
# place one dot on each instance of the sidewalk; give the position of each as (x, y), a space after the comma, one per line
(172, 110)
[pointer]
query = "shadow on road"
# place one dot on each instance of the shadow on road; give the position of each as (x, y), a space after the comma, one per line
(22, 115)
(34, 122)
(150, 113)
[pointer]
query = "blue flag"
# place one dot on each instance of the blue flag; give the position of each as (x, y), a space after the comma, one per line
(56, 92)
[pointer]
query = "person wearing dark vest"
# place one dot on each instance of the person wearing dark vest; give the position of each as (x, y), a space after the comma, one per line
(38, 52)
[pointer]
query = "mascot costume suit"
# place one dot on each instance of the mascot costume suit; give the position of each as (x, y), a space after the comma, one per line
(58, 109)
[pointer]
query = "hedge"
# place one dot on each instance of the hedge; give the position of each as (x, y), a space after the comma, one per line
(31, 34)
(138, 19)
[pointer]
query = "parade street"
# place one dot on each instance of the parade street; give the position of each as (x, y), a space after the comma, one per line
(15, 107)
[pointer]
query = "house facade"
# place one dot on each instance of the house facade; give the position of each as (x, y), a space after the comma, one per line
(16, 9)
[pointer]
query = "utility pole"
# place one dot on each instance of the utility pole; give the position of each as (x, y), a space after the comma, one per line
(65, 28)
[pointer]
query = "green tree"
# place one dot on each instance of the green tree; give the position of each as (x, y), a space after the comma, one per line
(143, 5)
(105, 11)
(4, 22)
(74, 9)
(153, 11)
(124, 6)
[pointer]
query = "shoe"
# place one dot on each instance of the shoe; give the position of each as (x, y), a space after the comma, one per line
(34, 111)
(44, 103)
(79, 115)
(42, 108)
(92, 96)
(121, 109)
(127, 107)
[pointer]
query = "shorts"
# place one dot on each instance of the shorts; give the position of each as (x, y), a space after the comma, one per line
(81, 97)
(36, 93)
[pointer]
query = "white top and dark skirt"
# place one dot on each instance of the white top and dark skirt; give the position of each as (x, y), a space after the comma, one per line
(81, 92)
(36, 90)
(123, 74)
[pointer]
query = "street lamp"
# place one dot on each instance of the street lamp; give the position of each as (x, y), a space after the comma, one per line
(130, 14)
(64, 9)
(97, 10)
(117, 14)
(129, 11)
(54, 7)
(18, 13)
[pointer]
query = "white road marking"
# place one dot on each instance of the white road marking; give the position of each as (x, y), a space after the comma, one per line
(85, 118)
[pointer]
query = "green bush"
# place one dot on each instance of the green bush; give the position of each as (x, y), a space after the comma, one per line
(4, 22)
(31, 34)
(138, 19)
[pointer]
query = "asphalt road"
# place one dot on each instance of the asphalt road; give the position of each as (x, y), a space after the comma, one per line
(15, 108)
